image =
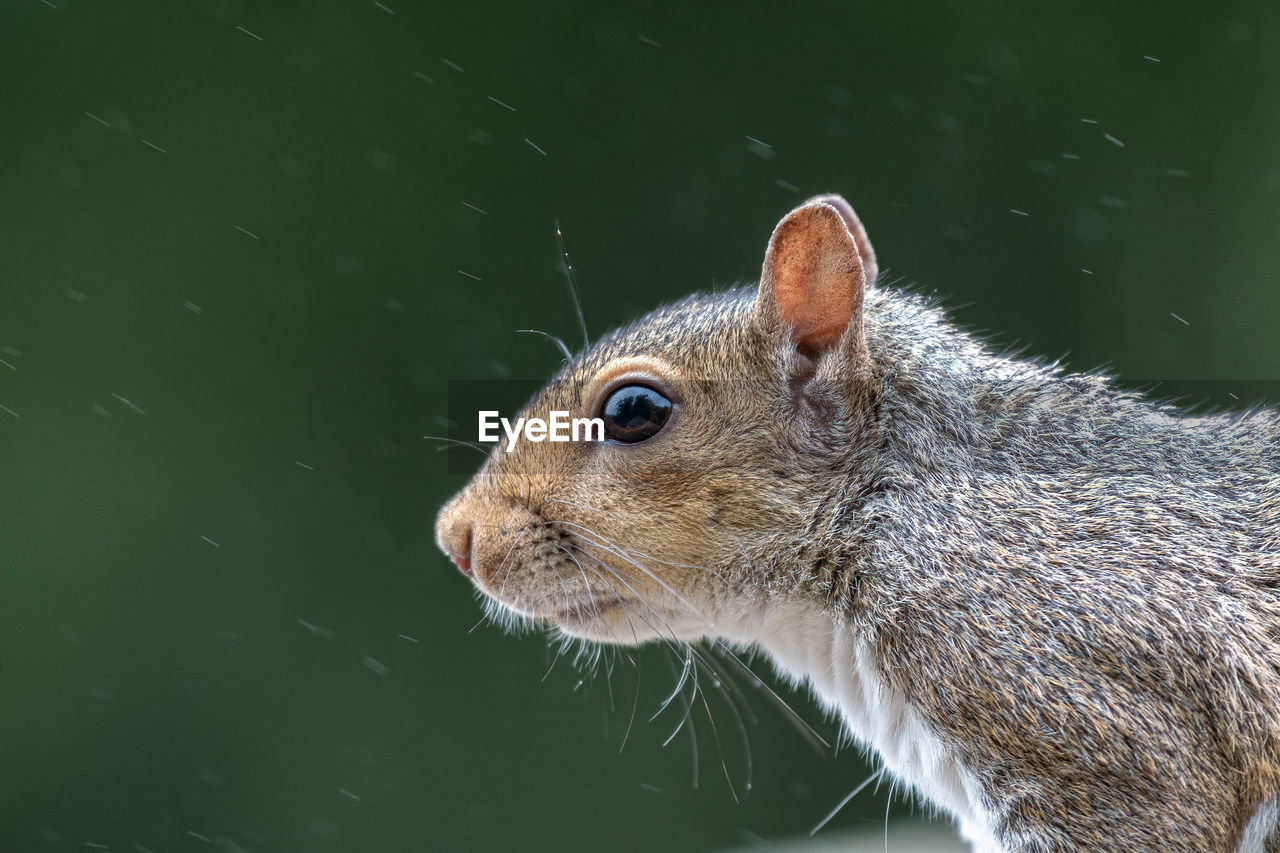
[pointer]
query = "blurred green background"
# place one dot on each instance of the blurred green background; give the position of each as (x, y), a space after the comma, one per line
(244, 246)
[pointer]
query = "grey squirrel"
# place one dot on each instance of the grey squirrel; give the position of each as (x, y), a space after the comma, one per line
(1049, 604)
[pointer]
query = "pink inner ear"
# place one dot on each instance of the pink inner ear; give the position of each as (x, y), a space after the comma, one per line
(818, 277)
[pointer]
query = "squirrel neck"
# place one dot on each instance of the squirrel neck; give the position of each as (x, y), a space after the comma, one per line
(995, 523)
(822, 649)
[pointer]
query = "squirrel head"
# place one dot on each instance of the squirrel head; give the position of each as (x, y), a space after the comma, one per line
(732, 423)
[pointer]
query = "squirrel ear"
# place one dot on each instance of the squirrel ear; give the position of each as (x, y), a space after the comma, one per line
(814, 277)
(854, 224)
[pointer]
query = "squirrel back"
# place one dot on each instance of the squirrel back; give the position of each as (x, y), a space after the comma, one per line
(1049, 604)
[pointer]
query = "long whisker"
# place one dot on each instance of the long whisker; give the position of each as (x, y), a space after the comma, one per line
(675, 691)
(618, 596)
(817, 741)
(625, 513)
(568, 601)
(689, 675)
(618, 512)
(719, 682)
(892, 782)
(692, 656)
(635, 704)
(608, 686)
(715, 734)
(502, 588)
(458, 442)
(736, 692)
(673, 641)
(568, 356)
(689, 671)
(872, 778)
(573, 287)
(693, 731)
(606, 545)
(554, 660)
(595, 607)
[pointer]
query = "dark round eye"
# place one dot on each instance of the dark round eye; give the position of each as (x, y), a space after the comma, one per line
(633, 413)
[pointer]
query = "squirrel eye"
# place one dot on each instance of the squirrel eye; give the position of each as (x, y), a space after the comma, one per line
(634, 413)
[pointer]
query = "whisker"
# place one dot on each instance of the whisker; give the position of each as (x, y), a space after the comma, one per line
(595, 607)
(591, 594)
(635, 638)
(693, 731)
(737, 692)
(886, 815)
(601, 510)
(715, 734)
(568, 603)
(554, 660)
(676, 691)
(458, 442)
(573, 287)
(872, 778)
(689, 672)
(619, 552)
(719, 684)
(689, 675)
(589, 508)
(693, 658)
(635, 703)
(673, 642)
(803, 727)
(568, 356)
(503, 587)
(608, 685)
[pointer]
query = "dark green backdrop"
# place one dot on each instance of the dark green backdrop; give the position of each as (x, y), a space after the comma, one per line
(240, 258)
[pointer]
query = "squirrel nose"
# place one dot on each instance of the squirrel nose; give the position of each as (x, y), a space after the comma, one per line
(454, 533)
(459, 550)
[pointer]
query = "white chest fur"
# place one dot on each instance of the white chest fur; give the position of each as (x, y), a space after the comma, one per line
(1263, 827)
(810, 649)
